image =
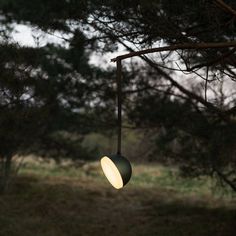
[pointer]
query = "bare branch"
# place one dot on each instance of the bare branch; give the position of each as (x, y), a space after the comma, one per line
(183, 46)
(212, 62)
(225, 179)
(226, 7)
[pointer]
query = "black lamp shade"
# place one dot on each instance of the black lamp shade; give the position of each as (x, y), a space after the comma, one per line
(117, 169)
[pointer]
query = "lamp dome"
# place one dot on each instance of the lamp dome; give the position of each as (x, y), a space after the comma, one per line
(117, 169)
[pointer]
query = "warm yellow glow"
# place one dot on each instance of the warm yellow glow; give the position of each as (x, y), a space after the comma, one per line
(111, 172)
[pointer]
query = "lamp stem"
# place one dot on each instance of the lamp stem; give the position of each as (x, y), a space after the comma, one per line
(119, 103)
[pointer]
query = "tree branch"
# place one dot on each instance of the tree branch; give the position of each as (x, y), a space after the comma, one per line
(226, 7)
(225, 179)
(183, 46)
(212, 62)
(223, 115)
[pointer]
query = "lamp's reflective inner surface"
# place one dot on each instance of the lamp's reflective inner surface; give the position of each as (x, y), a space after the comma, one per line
(111, 172)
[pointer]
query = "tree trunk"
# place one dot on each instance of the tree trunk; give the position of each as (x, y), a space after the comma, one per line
(5, 175)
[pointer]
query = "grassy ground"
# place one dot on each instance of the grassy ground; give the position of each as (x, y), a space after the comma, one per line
(48, 199)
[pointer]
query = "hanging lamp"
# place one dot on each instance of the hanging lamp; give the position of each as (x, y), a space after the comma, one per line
(116, 167)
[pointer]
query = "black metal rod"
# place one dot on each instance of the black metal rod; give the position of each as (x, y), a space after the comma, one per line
(174, 47)
(119, 105)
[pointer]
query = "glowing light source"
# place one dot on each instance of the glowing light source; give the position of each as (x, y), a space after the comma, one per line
(117, 169)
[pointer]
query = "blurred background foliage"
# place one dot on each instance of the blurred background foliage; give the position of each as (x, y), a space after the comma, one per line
(179, 107)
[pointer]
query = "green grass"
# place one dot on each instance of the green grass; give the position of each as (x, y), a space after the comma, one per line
(48, 199)
(170, 179)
